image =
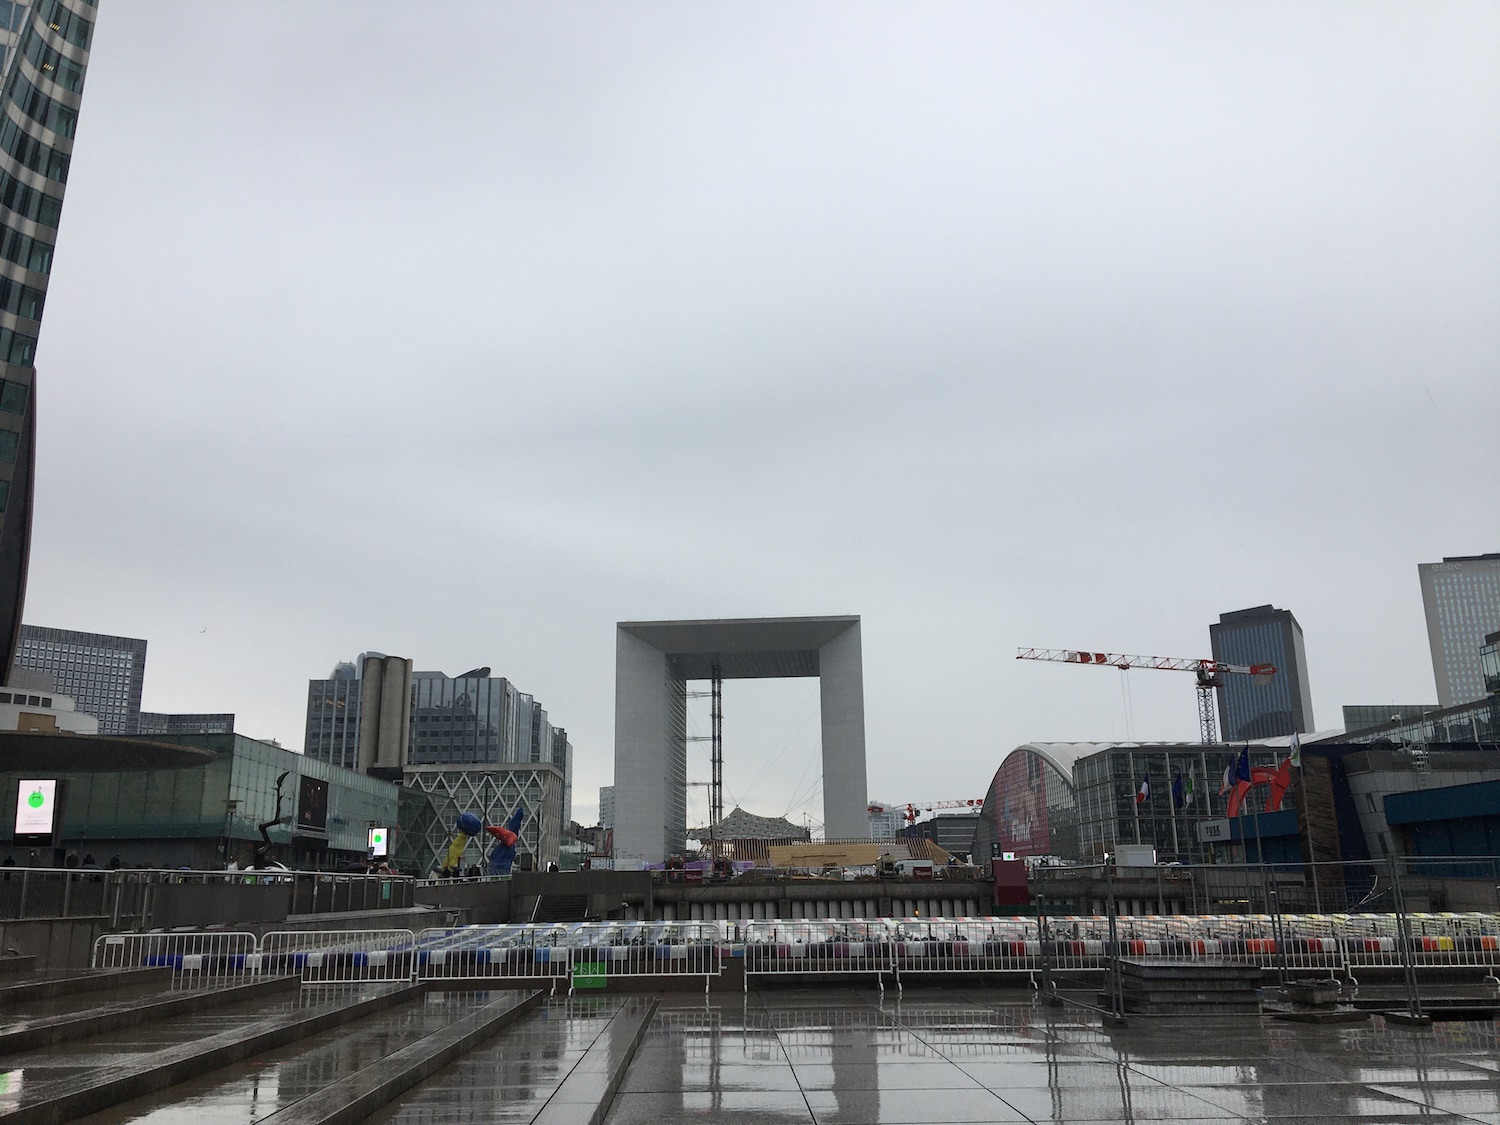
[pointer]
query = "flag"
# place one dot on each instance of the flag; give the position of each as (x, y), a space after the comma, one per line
(1228, 783)
(1187, 797)
(1242, 766)
(1296, 750)
(1178, 791)
(1144, 793)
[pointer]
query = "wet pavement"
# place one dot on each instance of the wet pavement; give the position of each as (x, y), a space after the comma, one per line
(258, 1087)
(845, 1057)
(510, 1078)
(853, 1058)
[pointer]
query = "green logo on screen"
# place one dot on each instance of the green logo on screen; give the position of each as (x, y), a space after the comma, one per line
(36, 800)
(378, 837)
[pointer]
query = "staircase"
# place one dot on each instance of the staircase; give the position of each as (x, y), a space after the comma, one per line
(561, 908)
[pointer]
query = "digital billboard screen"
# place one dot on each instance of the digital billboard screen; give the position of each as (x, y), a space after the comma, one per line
(36, 811)
(312, 804)
(380, 842)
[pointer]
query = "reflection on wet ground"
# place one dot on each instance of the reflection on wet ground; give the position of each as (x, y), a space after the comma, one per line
(837, 1056)
(852, 1057)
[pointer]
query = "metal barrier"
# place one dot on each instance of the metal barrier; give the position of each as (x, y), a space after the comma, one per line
(339, 956)
(572, 951)
(195, 957)
(840, 948)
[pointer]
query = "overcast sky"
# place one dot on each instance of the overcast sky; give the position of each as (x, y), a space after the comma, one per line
(462, 331)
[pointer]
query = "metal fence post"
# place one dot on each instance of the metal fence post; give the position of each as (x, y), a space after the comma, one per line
(1404, 940)
(1112, 981)
(1049, 987)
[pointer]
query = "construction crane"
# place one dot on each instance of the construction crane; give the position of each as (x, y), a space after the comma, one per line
(912, 810)
(1210, 674)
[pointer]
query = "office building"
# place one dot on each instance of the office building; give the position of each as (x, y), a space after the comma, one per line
(470, 720)
(45, 49)
(1248, 709)
(607, 806)
(1461, 598)
(885, 820)
(333, 717)
(953, 832)
(154, 722)
(103, 674)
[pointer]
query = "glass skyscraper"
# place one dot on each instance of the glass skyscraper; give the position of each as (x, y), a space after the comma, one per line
(44, 51)
(1263, 635)
(1461, 597)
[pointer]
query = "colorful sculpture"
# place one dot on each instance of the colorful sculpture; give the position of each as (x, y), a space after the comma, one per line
(502, 855)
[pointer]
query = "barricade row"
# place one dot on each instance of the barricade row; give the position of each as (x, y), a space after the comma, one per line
(555, 953)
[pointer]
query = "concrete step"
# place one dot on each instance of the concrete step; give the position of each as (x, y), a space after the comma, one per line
(44, 1031)
(94, 1074)
(44, 986)
(355, 1096)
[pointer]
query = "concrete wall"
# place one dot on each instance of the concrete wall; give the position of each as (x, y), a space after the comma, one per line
(841, 684)
(642, 801)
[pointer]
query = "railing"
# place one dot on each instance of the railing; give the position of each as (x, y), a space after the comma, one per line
(142, 899)
(1058, 955)
(195, 958)
(339, 956)
(578, 952)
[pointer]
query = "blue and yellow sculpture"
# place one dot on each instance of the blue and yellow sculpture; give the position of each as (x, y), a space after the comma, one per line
(502, 855)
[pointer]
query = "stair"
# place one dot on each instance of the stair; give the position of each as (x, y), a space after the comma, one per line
(562, 908)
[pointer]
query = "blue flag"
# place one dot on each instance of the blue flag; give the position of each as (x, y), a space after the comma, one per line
(1242, 767)
(1177, 791)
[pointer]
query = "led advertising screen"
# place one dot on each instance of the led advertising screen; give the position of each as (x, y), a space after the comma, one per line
(36, 812)
(379, 842)
(312, 804)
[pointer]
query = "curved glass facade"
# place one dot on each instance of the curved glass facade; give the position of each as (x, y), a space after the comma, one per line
(44, 54)
(1029, 810)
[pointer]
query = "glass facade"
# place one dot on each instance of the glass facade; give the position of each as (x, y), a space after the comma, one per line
(1280, 706)
(44, 54)
(333, 721)
(103, 674)
(1108, 782)
(1489, 664)
(1030, 809)
(491, 794)
(1461, 597)
(205, 816)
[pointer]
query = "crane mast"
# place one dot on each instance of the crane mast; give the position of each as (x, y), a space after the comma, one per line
(1209, 674)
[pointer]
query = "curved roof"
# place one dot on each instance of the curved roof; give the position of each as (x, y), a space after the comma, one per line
(1062, 756)
(66, 752)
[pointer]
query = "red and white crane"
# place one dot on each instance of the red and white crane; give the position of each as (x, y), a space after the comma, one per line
(1210, 674)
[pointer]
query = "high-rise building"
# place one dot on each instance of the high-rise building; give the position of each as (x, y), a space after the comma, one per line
(1262, 635)
(1461, 597)
(333, 717)
(103, 674)
(470, 719)
(44, 50)
(885, 821)
(607, 806)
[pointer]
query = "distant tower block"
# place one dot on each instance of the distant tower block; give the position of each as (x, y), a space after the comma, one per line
(654, 660)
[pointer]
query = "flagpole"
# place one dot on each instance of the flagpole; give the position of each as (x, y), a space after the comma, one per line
(1172, 800)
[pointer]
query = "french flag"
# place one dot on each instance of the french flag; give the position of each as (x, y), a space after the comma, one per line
(1144, 792)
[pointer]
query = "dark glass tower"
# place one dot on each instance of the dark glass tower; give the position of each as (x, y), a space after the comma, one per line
(45, 49)
(1263, 635)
